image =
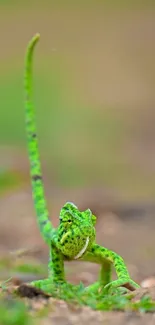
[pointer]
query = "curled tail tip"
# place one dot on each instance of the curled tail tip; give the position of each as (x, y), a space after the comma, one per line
(36, 36)
(34, 40)
(30, 47)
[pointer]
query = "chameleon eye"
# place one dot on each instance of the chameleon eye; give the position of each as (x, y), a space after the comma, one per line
(69, 221)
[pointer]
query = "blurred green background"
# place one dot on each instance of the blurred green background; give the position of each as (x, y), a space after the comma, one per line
(94, 93)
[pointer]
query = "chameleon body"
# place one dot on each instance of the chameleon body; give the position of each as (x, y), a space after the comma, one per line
(75, 237)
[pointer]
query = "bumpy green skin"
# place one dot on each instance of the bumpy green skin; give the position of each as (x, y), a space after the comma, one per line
(76, 230)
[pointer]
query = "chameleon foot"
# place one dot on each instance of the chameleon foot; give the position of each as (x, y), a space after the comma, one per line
(47, 285)
(98, 288)
(50, 287)
(121, 284)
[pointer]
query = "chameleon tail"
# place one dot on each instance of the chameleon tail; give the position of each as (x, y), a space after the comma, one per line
(45, 225)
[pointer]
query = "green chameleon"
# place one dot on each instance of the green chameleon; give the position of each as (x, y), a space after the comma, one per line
(74, 238)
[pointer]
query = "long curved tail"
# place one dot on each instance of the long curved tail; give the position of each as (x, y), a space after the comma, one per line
(33, 150)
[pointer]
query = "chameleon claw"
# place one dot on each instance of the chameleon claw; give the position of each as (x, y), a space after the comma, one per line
(126, 283)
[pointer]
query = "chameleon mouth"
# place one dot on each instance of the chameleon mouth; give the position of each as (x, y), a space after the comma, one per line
(82, 251)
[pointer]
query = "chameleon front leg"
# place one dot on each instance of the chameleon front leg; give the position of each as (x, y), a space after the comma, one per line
(56, 275)
(106, 259)
(104, 276)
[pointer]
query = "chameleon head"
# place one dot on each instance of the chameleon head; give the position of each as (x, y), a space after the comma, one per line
(76, 231)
